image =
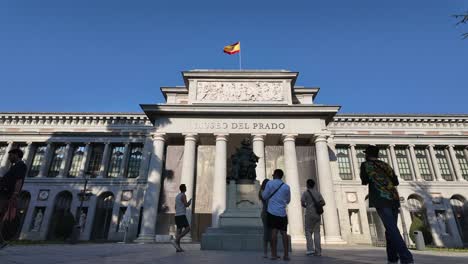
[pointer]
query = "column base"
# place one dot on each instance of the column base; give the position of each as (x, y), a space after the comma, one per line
(144, 239)
(334, 240)
(298, 239)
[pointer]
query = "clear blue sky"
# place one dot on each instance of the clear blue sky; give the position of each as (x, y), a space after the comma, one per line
(109, 56)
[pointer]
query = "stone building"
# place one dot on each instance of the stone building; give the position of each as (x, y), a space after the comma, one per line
(134, 162)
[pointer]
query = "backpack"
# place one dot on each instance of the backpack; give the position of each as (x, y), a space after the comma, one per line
(318, 207)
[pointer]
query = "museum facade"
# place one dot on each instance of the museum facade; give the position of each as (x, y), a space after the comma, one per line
(133, 163)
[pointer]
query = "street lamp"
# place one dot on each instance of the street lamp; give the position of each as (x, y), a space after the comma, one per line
(83, 195)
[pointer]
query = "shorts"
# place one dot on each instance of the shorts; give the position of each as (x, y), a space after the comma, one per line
(277, 222)
(181, 221)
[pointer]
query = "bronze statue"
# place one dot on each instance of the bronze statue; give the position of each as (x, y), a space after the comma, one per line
(243, 163)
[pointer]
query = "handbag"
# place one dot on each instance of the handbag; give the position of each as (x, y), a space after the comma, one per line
(318, 207)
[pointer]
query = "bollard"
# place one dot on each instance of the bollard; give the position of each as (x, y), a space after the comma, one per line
(420, 244)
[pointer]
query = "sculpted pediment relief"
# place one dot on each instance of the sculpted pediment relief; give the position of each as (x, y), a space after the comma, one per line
(240, 91)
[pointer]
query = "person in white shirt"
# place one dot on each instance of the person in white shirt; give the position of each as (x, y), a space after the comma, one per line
(311, 200)
(277, 194)
(183, 226)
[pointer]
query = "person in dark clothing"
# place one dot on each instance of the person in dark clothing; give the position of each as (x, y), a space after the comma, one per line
(10, 186)
(266, 229)
(384, 196)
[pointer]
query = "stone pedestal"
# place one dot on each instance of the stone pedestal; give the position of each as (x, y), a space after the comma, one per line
(240, 226)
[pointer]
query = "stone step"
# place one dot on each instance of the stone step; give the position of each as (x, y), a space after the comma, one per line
(235, 230)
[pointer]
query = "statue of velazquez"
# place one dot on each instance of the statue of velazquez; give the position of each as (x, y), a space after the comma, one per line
(243, 163)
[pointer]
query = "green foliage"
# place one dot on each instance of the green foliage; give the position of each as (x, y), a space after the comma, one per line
(418, 225)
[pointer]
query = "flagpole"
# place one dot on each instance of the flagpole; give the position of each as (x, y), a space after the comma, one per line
(240, 58)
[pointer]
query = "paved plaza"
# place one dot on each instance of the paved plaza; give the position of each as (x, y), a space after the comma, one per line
(164, 253)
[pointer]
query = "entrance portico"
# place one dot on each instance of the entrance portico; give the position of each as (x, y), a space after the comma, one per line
(217, 109)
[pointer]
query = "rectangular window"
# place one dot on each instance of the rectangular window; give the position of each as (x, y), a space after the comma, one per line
(95, 160)
(115, 163)
(134, 161)
(56, 162)
(443, 164)
(463, 162)
(344, 163)
(404, 168)
(423, 164)
(383, 155)
(360, 155)
(37, 160)
(77, 159)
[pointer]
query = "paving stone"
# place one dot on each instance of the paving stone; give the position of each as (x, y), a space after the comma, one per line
(165, 254)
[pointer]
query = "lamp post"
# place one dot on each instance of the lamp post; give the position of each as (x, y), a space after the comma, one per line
(83, 195)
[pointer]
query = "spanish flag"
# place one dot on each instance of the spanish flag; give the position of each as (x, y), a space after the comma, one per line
(233, 48)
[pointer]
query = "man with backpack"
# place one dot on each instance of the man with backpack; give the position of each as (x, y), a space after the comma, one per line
(384, 196)
(313, 203)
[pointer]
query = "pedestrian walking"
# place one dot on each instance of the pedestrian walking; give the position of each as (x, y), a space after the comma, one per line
(183, 226)
(383, 195)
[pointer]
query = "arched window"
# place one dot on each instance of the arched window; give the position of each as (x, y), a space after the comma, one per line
(62, 219)
(103, 216)
(460, 211)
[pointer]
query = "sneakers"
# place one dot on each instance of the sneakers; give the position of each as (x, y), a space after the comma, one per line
(310, 253)
(176, 246)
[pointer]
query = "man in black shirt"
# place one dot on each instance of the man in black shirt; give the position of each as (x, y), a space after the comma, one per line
(10, 186)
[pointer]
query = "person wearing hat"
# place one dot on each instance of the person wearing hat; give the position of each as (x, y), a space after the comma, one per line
(384, 197)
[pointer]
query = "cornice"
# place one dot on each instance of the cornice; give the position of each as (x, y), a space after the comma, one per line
(391, 118)
(74, 119)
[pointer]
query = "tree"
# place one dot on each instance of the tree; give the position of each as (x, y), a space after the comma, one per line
(462, 19)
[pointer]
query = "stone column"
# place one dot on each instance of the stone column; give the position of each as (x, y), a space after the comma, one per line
(153, 188)
(414, 161)
(435, 164)
(28, 154)
(144, 165)
(45, 161)
(92, 203)
(431, 164)
(188, 170)
(123, 166)
(465, 151)
(456, 167)
(105, 161)
(354, 160)
(259, 150)
(330, 216)
(394, 159)
(66, 160)
(85, 160)
(219, 182)
(4, 162)
(295, 218)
